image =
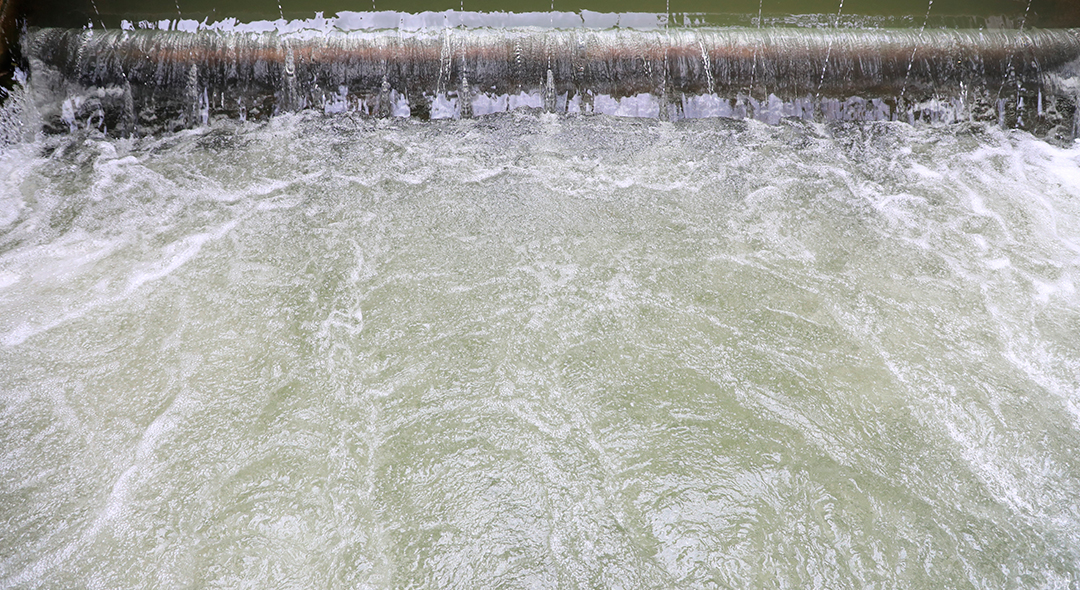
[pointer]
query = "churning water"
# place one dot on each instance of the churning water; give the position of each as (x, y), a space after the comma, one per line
(532, 350)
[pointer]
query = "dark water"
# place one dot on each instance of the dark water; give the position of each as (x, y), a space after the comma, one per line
(912, 13)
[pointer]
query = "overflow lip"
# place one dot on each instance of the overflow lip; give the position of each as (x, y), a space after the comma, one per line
(189, 76)
(903, 13)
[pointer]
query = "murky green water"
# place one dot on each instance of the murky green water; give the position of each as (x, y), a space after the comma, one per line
(910, 13)
(531, 351)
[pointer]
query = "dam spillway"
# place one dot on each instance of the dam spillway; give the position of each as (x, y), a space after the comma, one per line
(125, 80)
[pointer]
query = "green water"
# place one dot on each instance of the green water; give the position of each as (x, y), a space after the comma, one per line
(912, 13)
(538, 351)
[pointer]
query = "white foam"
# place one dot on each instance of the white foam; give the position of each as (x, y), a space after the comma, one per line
(1044, 291)
(542, 329)
(175, 255)
(346, 21)
(641, 105)
(80, 254)
(444, 107)
(8, 279)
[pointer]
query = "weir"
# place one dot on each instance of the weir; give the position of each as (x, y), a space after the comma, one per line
(353, 304)
(133, 81)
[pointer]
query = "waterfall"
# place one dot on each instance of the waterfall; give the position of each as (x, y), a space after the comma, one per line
(143, 80)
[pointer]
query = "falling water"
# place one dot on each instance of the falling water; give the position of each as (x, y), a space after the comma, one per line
(911, 61)
(697, 73)
(1023, 21)
(753, 71)
(825, 65)
(97, 13)
(706, 62)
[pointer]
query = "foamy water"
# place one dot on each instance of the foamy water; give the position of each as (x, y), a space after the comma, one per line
(538, 351)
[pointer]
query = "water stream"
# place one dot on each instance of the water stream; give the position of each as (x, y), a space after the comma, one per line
(324, 349)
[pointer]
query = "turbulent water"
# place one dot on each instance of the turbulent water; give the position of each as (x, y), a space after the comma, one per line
(530, 350)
